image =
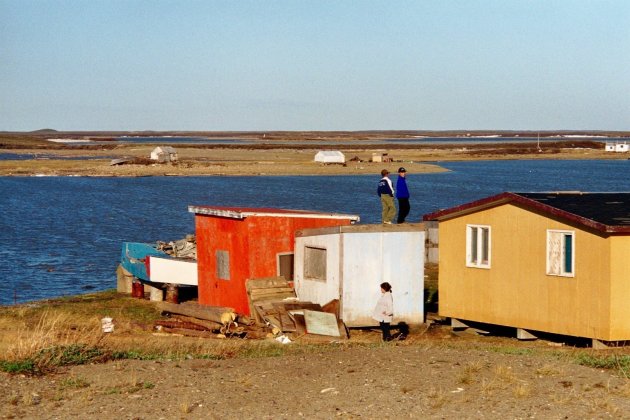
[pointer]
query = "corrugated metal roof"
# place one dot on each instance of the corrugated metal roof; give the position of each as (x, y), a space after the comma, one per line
(605, 212)
(243, 212)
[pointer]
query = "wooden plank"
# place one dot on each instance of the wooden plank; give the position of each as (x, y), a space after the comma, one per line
(266, 282)
(209, 325)
(300, 323)
(208, 313)
(332, 307)
(292, 306)
(190, 333)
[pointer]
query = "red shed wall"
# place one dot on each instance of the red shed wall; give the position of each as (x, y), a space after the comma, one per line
(253, 244)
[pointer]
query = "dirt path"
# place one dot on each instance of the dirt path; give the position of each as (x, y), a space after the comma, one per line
(427, 377)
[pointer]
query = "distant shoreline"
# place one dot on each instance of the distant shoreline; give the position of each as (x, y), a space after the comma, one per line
(285, 154)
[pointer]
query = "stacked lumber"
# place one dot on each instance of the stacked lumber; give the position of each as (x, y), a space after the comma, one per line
(273, 302)
(275, 311)
(196, 320)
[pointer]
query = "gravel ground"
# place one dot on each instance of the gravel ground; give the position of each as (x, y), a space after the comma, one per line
(441, 376)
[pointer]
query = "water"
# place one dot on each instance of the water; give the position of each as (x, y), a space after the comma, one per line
(62, 235)
(175, 140)
(30, 156)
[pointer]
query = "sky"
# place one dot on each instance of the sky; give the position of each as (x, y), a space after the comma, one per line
(314, 65)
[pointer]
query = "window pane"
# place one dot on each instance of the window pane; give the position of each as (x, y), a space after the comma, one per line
(315, 263)
(485, 236)
(473, 245)
(554, 253)
(568, 253)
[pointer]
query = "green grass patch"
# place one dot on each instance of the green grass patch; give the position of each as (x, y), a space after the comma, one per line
(74, 382)
(137, 355)
(620, 363)
(18, 366)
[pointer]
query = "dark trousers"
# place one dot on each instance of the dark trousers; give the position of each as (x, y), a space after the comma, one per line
(385, 329)
(403, 209)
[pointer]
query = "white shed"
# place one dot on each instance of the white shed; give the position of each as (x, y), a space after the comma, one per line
(164, 154)
(330, 156)
(349, 263)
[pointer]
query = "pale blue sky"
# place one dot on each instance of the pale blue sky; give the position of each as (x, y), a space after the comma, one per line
(314, 65)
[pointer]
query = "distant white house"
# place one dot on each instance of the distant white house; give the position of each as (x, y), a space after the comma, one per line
(164, 154)
(617, 147)
(330, 156)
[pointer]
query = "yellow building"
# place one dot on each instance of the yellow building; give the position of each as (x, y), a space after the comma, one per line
(550, 262)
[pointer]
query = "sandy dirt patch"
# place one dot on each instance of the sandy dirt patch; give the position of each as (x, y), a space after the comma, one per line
(431, 375)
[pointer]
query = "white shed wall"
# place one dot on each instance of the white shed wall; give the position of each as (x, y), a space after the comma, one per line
(357, 263)
(313, 290)
(372, 258)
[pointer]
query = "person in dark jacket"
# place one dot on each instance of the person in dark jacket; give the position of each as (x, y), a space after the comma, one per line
(385, 190)
(402, 194)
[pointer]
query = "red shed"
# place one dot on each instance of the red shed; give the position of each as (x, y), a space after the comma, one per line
(235, 244)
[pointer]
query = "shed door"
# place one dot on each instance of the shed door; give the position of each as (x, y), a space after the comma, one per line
(285, 266)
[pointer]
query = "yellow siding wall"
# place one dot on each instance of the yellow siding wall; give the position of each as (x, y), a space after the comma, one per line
(620, 290)
(516, 291)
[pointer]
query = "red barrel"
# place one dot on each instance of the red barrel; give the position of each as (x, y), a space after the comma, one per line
(137, 289)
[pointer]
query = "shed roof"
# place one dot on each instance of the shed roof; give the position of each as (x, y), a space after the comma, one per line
(330, 153)
(368, 228)
(165, 149)
(605, 212)
(243, 212)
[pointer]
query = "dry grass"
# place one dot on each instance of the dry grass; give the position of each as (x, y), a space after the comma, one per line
(547, 370)
(522, 390)
(436, 398)
(51, 330)
(470, 372)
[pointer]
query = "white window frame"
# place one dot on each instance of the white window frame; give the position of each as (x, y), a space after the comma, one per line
(475, 246)
(551, 268)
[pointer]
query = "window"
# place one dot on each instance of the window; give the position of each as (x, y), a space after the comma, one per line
(560, 253)
(315, 263)
(478, 246)
(285, 266)
(223, 264)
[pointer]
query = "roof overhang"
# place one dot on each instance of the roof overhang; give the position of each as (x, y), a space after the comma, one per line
(242, 213)
(514, 198)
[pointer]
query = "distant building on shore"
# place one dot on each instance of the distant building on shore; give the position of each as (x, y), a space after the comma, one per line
(617, 147)
(163, 154)
(330, 156)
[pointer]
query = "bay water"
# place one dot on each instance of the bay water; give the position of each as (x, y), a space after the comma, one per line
(63, 235)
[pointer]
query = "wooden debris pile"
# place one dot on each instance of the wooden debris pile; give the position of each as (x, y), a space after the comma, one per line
(192, 319)
(273, 302)
(276, 313)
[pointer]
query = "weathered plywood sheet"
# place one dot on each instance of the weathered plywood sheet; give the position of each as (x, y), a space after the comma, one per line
(321, 323)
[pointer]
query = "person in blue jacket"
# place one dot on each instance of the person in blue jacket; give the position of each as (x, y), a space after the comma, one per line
(385, 190)
(402, 194)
